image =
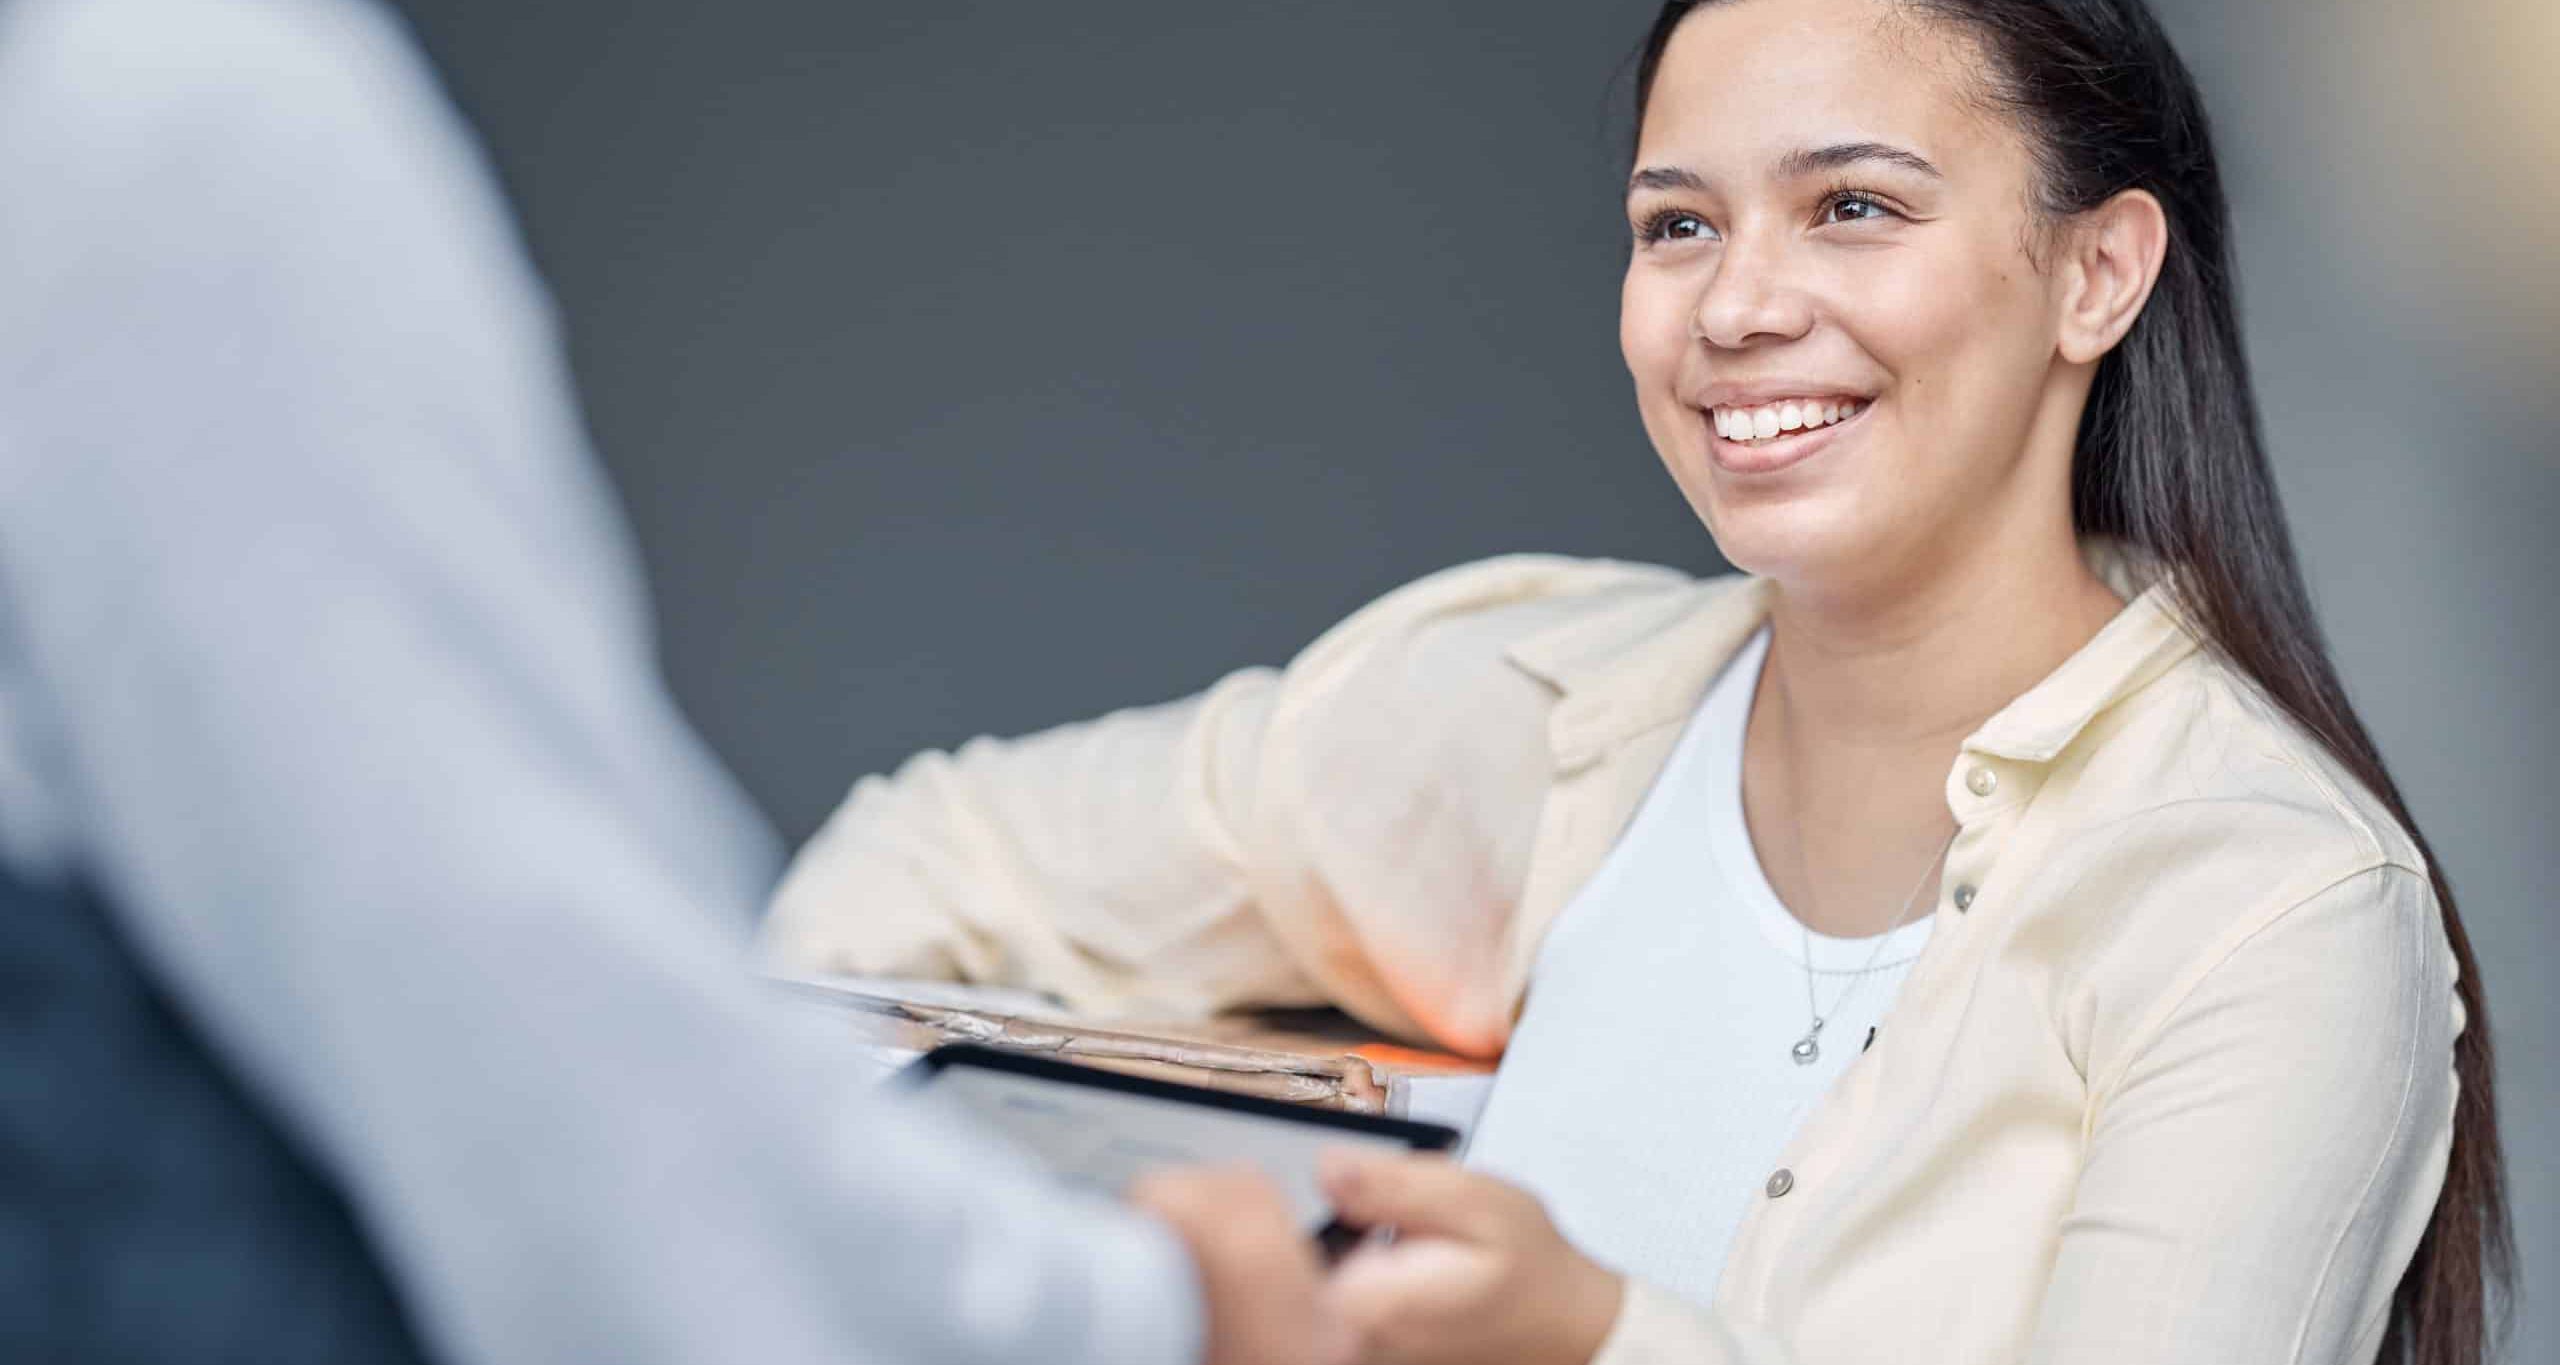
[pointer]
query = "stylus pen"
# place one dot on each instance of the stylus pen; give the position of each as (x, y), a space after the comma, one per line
(1337, 1238)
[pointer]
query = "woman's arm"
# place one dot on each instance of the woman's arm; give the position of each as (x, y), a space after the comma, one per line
(1353, 829)
(1096, 860)
(2260, 1175)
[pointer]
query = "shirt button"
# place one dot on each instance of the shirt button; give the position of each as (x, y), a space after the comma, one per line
(1781, 1182)
(1964, 897)
(1982, 781)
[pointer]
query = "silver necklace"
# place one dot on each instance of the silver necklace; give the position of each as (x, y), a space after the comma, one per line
(1808, 1049)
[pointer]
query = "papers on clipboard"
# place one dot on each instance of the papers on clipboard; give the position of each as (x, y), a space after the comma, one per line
(1312, 1057)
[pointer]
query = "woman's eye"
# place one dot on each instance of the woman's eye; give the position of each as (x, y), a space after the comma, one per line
(1853, 208)
(1672, 225)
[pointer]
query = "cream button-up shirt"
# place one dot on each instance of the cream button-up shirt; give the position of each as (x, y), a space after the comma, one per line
(2173, 1080)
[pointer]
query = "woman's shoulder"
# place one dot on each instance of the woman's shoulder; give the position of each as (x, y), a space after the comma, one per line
(1508, 612)
(1440, 684)
(2205, 748)
(2199, 824)
(1538, 588)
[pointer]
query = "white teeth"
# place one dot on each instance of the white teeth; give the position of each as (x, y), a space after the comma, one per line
(1763, 423)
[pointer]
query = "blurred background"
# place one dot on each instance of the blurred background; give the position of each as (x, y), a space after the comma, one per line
(932, 343)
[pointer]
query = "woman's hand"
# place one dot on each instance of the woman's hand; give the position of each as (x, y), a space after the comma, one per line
(1261, 1281)
(1477, 1274)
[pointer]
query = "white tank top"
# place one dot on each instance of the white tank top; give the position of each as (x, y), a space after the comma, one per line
(1648, 1090)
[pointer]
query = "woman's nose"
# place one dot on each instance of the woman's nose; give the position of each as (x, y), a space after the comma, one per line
(1749, 300)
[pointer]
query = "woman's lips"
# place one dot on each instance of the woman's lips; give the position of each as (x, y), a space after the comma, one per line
(1778, 452)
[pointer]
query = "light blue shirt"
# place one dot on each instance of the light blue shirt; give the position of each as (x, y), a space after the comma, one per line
(322, 654)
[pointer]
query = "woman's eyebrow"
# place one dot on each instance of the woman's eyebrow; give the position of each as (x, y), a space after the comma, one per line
(1666, 178)
(1807, 160)
(1801, 162)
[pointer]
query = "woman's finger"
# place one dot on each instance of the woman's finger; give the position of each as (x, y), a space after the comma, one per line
(1391, 1296)
(1414, 1194)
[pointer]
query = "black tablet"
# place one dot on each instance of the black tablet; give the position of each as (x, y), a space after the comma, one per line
(1100, 1129)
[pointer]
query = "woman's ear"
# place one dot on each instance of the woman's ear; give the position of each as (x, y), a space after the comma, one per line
(2112, 258)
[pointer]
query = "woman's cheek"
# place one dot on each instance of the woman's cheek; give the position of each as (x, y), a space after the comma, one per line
(1653, 331)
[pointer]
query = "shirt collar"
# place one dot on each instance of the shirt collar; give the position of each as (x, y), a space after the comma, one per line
(2142, 642)
(1639, 664)
(1644, 663)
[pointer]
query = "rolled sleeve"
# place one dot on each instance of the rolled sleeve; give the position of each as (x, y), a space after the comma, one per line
(1353, 829)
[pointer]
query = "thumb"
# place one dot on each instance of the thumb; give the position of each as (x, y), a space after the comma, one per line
(1417, 1194)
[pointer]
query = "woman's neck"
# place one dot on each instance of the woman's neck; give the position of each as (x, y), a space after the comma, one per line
(1930, 660)
(1864, 701)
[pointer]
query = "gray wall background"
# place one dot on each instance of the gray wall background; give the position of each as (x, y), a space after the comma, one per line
(974, 367)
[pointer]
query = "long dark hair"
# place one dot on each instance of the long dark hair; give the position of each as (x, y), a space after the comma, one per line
(2171, 463)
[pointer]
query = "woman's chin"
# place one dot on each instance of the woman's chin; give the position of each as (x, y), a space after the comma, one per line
(1792, 538)
(1787, 564)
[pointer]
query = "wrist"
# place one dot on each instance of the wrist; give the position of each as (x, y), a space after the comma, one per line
(1587, 1311)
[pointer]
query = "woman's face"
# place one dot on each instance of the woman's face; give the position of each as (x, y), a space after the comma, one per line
(1841, 345)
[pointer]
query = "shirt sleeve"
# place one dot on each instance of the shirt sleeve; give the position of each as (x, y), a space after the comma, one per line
(2260, 1175)
(339, 675)
(1095, 861)
(2264, 1169)
(1658, 1327)
(1353, 829)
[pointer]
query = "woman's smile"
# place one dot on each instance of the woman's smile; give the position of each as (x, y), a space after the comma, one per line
(1767, 437)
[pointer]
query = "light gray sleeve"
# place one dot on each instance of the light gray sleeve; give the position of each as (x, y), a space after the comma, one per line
(347, 701)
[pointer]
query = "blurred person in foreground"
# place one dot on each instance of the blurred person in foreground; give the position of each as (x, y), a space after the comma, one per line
(337, 785)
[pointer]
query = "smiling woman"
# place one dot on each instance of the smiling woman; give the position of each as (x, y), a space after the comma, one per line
(2051, 969)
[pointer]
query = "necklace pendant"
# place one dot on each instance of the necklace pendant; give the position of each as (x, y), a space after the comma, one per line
(1807, 1049)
